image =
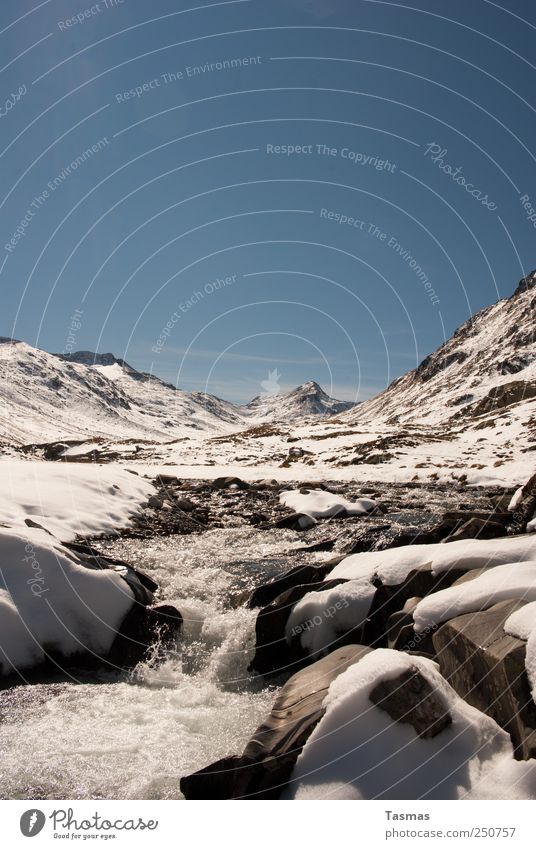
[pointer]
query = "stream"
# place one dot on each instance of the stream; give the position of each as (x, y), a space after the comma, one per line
(133, 735)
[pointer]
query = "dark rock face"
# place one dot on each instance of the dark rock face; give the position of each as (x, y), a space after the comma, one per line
(526, 283)
(500, 397)
(486, 667)
(265, 594)
(265, 767)
(410, 698)
(142, 629)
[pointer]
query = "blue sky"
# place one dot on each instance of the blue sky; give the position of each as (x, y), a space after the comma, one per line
(218, 190)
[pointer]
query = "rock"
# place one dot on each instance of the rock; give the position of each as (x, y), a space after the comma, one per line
(266, 483)
(184, 504)
(295, 522)
(525, 508)
(54, 450)
(273, 655)
(265, 767)
(410, 698)
(155, 502)
(142, 629)
(476, 528)
(486, 667)
(401, 632)
(300, 575)
(230, 483)
(167, 481)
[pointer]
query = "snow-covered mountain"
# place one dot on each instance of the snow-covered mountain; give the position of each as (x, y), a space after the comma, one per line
(45, 397)
(488, 364)
(309, 399)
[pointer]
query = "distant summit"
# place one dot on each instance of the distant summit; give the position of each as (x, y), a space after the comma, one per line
(309, 399)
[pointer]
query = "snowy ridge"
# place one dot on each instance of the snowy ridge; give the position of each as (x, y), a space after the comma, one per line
(309, 399)
(492, 350)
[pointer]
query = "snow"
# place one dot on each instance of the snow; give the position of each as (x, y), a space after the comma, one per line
(516, 498)
(69, 499)
(49, 602)
(395, 564)
(358, 752)
(320, 505)
(522, 624)
(319, 617)
(509, 581)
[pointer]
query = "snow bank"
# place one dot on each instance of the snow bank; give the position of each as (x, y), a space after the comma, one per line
(394, 565)
(69, 499)
(49, 602)
(510, 581)
(358, 752)
(319, 617)
(321, 505)
(522, 624)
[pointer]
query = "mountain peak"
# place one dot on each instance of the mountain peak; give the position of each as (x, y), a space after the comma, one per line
(307, 399)
(526, 283)
(90, 358)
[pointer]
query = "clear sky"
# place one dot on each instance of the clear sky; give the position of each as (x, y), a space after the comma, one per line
(215, 191)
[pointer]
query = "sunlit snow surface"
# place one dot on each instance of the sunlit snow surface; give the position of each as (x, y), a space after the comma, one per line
(135, 737)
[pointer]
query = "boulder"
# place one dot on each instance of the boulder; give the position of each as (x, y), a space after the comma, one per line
(229, 483)
(525, 508)
(477, 528)
(273, 655)
(410, 698)
(295, 522)
(486, 667)
(265, 767)
(300, 575)
(167, 481)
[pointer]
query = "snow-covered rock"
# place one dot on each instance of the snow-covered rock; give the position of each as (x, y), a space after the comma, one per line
(50, 604)
(509, 581)
(357, 751)
(319, 618)
(319, 504)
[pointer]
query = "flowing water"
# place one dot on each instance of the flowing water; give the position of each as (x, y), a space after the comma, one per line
(133, 735)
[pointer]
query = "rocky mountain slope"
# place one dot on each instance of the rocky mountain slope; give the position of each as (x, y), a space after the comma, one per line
(488, 364)
(44, 397)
